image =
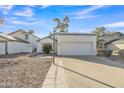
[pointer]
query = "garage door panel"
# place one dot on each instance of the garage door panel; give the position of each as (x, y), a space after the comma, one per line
(76, 48)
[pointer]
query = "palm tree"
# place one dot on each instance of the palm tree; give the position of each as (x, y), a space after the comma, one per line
(62, 25)
(58, 23)
(1, 21)
(99, 31)
(65, 22)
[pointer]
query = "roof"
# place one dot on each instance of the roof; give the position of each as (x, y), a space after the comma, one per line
(21, 30)
(119, 41)
(20, 40)
(108, 35)
(65, 34)
(76, 34)
(11, 38)
(7, 37)
(43, 38)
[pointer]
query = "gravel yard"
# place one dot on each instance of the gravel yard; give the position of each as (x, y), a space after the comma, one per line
(17, 71)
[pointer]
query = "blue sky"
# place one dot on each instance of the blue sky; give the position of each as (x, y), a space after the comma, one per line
(83, 18)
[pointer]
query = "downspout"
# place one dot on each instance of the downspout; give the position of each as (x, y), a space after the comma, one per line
(6, 48)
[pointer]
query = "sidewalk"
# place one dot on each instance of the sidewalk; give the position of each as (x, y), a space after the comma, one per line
(55, 77)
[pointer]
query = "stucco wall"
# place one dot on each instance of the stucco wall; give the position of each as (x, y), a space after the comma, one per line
(19, 35)
(18, 47)
(15, 47)
(2, 48)
(32, 39)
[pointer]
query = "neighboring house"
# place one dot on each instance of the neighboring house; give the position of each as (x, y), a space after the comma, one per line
(113, 41)
(19, 41)
(71, 43)
(12, 45)
(116, 46)
(27, 36)
(111, 37)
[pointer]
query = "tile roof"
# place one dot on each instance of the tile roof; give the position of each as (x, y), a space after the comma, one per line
(11, 38)
(8, 37)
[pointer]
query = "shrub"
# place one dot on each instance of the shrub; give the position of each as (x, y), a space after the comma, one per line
(107, 52)
(121, 53)
(47, 48)
(104, 52)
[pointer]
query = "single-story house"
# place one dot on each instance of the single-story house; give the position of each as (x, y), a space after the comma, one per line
(114, 41)
(71, 43)
(116, 45)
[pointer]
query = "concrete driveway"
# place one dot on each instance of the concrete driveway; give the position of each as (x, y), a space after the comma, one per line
(91, 72)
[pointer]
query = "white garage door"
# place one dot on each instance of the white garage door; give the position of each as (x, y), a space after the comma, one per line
(81, 48)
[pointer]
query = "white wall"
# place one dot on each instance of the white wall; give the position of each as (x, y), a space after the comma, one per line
(19, 35)
(32, 39)
(77, 38)
(2, 48)
(69, 38)
(18, 47)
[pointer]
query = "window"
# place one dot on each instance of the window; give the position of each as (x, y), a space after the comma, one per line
(26, 37)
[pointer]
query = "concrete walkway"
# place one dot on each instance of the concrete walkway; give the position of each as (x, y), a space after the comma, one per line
(55, 77)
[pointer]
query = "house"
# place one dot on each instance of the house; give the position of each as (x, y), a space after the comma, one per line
(116, 45)
(19, 41)
(71, 43)
(11, 45)
(111, 37)
(114, 41)
(26, 36)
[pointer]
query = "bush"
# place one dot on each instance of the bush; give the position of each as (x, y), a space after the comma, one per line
(47, 48)
(107, 52)
(121, 53)
(104, 52)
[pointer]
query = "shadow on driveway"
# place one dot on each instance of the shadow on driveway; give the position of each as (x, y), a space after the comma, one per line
(98, 60)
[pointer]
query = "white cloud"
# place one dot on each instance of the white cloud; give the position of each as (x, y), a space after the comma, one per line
(115, 24)
(85, 13)
(29, 23)
(85, 16)
(17, 22)
(44, 6)
(88, 10)
(27, 12)
(6, 8)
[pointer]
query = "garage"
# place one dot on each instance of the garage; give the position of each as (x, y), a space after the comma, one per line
(76, 48)
(71, 44)
(76, 44)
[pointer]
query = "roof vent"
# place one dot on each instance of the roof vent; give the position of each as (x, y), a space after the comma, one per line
(30, 31)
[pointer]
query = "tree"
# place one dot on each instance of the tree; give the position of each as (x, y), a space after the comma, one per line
(47, 48)
(99, 31)
(62, 26)
(1, 21)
